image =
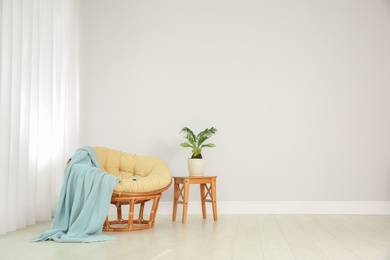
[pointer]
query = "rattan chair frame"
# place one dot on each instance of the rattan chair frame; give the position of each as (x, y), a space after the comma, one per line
(128, 198)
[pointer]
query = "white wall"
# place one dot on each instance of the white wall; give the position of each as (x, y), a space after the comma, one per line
(299, 91)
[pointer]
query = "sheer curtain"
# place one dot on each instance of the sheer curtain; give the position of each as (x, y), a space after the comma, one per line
(38, 106)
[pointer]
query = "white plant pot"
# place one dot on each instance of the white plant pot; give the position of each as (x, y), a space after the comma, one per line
(196, 167)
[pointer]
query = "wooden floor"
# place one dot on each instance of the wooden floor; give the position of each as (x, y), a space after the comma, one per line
(232, 237)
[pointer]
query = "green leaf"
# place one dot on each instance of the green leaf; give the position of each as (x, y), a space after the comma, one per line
(189, 135)
(210, 145)
(185, 145)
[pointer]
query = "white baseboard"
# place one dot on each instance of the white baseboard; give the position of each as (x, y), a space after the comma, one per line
(282, 207)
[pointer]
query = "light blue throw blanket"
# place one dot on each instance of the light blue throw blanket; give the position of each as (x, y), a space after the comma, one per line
(84, 201)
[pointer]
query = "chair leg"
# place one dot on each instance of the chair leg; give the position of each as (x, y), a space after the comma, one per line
(153, 210)
(106, 224)
(141, 212)
(140, 219)
(119, 218)
(130, 221)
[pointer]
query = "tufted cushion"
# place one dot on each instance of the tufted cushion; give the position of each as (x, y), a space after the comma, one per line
(137, 173)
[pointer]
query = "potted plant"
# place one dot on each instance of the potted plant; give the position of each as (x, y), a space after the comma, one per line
(197, 143)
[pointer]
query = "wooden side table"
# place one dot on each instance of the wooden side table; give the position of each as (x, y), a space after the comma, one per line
(208, 191)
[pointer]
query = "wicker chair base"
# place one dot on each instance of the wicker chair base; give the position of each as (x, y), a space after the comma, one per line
(131, 199)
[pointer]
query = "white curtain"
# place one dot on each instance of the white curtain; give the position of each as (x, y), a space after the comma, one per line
(38, 106)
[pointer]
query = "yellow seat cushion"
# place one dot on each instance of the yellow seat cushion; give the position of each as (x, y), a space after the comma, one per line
(137, 173)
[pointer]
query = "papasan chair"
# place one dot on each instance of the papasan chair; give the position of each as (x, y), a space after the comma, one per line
(142, 179)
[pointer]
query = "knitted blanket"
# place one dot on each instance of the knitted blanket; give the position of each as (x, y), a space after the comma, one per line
(83, 203)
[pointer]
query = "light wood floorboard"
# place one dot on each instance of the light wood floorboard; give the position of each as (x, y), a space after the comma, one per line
(241, 237)
(275, 246)
(299, 240)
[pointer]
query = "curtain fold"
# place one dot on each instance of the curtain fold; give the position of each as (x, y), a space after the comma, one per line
(38, 106)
